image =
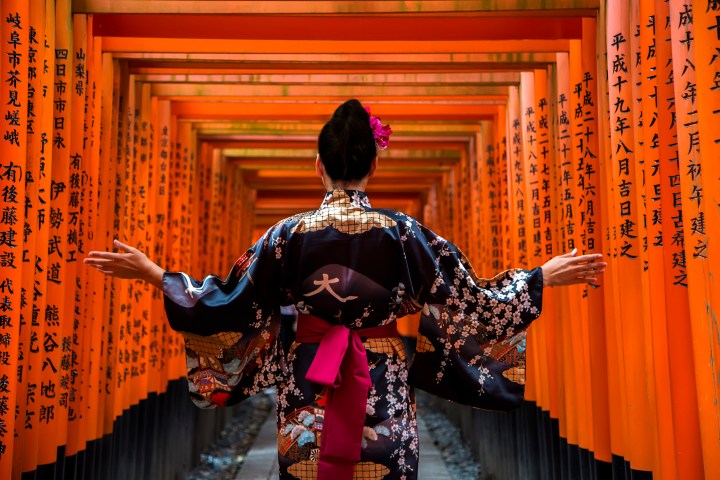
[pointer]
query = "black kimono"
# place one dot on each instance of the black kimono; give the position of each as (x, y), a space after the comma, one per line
(350, 264)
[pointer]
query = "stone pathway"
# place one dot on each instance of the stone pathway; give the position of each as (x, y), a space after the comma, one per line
(261, 461)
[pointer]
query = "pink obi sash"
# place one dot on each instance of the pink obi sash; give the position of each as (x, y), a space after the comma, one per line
(341, 364)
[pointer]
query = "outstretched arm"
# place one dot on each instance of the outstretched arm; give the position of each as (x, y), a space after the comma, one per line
(128, 263)
(568, 269)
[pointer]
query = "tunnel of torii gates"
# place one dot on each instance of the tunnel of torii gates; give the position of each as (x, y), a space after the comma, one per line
(522, 129)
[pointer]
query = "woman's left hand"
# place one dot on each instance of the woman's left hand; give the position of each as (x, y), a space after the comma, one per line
(569, 269)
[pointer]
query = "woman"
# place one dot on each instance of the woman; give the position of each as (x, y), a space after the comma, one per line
(344, 390)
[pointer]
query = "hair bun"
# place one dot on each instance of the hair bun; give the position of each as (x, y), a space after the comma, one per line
(346, 143)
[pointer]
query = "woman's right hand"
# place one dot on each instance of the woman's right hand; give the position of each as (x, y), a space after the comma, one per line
(129, 263)
(569, 269)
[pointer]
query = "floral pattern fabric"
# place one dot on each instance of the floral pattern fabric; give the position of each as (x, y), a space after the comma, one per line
(351, 264)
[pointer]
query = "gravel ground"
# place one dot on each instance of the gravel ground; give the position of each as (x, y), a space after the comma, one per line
(222, 459)
(448, 439)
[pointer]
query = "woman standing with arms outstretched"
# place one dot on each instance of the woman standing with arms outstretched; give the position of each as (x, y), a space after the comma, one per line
(345, 397)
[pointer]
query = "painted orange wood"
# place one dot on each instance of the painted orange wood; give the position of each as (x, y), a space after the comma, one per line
(75, 340)
(688, 452)
(577, 218)
(538, 384)
(567, 415)
(694, 205)
(356, 27)
(96, 85)
(14, 38)
(589, 202)
(707, 39)
(656, 328)
(625, 227)
(24, 451)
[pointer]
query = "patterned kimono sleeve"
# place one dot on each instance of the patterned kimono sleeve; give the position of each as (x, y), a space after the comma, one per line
(230, 326)
(471, 339)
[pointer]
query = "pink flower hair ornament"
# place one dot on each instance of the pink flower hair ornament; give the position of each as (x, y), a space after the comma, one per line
(380, 132)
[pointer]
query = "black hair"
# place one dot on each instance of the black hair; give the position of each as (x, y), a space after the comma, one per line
(346, 143)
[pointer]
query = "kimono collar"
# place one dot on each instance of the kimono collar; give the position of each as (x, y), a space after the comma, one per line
(345, 198)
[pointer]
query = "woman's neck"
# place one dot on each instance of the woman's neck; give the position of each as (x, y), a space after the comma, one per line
(331, 185)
